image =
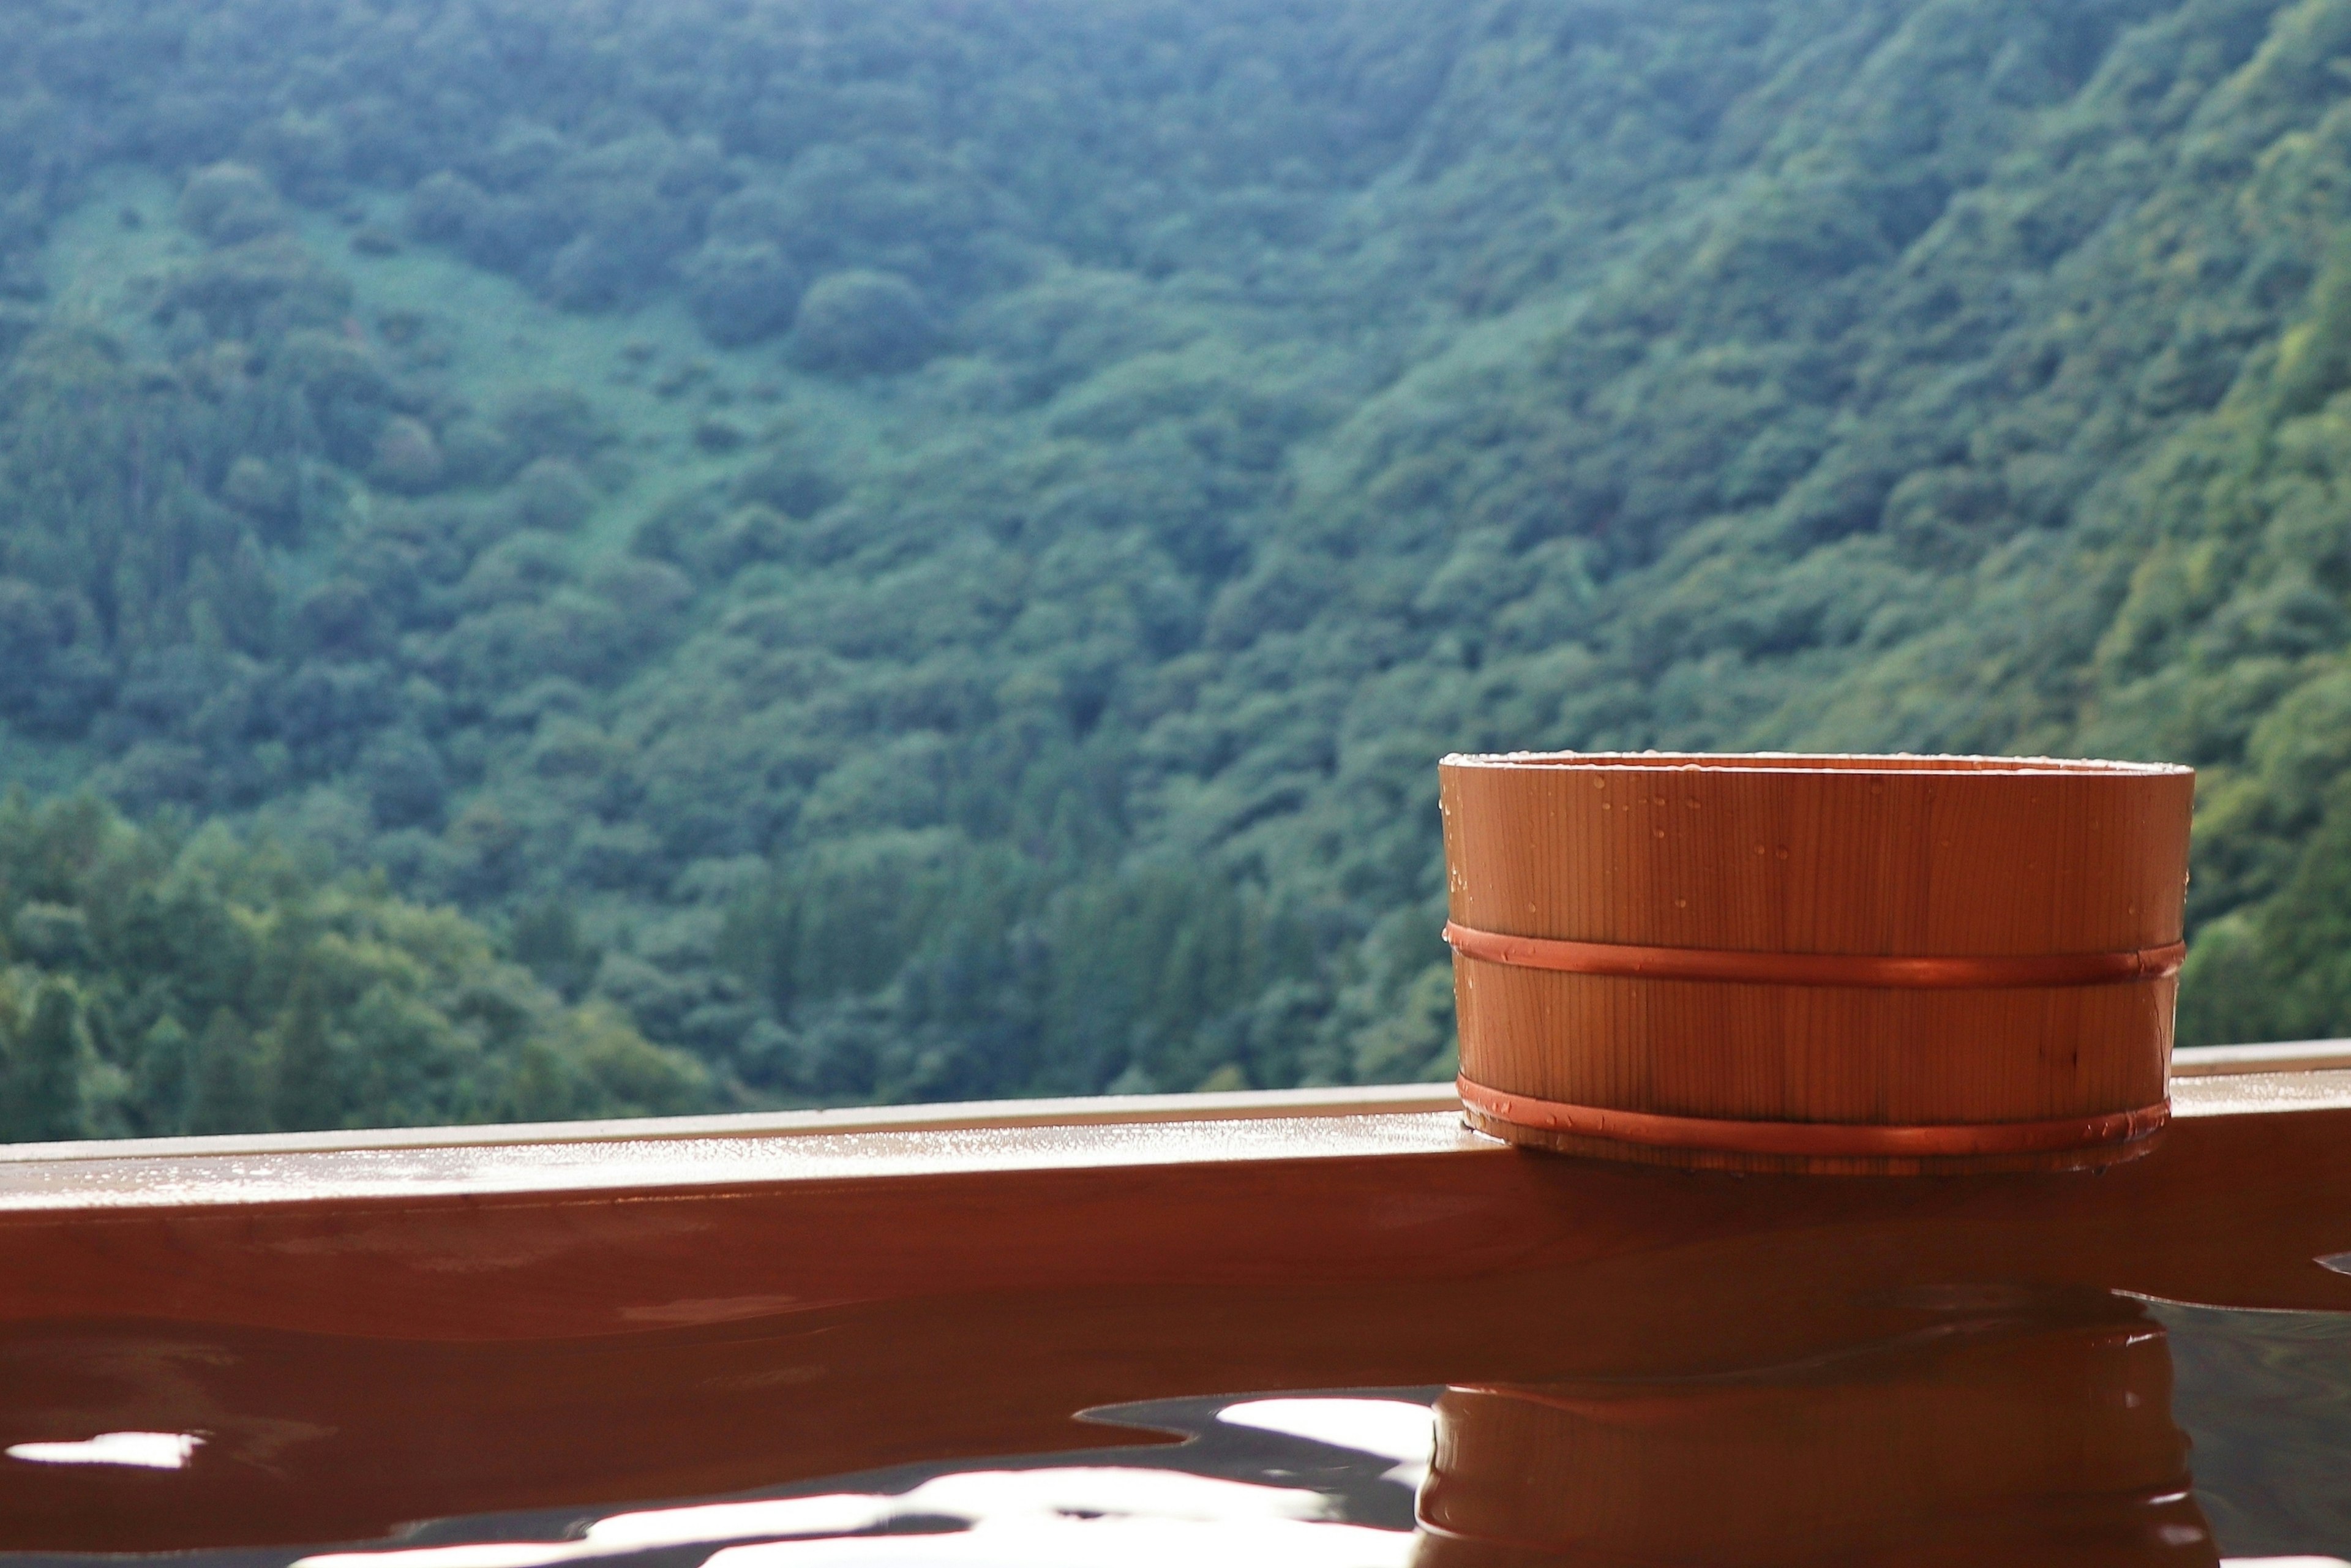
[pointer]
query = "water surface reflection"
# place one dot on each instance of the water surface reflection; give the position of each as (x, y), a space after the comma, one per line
(1997, 1426)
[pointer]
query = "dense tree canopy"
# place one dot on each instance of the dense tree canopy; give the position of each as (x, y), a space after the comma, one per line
(158, 983)
(931, 551)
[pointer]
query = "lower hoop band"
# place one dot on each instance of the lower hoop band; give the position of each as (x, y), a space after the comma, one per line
(1853, 1139)
(1859, 970)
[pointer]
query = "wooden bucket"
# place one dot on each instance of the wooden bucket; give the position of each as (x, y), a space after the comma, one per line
(1845, 963)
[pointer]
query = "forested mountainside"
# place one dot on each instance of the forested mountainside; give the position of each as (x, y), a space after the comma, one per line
(572, 556)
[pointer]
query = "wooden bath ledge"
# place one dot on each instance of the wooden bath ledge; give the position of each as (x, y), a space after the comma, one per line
(969, 1137)
(570, 1229)
(908, 1140)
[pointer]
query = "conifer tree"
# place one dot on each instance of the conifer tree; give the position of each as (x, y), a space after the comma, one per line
(162, 1078)
(46, 1090)
(305, 1092)
(228, 1089)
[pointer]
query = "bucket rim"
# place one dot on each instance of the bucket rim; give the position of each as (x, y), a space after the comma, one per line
(1824, 764)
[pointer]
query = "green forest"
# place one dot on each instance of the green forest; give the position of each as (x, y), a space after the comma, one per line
(567, 557)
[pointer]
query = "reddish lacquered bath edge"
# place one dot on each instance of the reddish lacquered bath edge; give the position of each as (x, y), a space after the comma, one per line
(2296, 1069)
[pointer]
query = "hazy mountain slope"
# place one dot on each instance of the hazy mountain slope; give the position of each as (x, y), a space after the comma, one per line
(934, 554)
(2005, 522)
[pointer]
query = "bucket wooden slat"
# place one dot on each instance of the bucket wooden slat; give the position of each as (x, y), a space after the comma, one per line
(2007, 865)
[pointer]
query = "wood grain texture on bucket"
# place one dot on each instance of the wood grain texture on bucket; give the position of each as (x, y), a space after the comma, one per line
(1838, 963)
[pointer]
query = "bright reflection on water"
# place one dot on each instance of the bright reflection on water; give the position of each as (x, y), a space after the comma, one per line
(1326, 1482)
(2266, 1399)
(1396, 1429)
(139, 1450)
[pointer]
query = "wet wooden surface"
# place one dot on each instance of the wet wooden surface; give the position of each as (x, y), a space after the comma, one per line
(365, 1337)
(604, 1235)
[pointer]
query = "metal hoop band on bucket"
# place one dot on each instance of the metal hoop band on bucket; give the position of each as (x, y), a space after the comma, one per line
(1865, 971)
(1829, 1139)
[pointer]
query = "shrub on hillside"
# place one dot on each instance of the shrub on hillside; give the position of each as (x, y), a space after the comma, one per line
(229, 203)
(863, 323)
(407, 457)
(741, 293)
(552, 494)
